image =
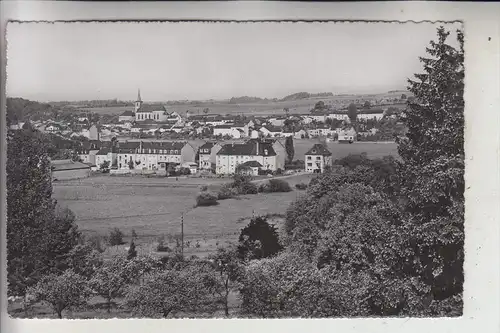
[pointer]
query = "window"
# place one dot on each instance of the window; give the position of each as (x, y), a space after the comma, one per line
(308, 158)
(309, 164)
(318, 158)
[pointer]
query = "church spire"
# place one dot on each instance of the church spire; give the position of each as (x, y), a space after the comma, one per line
(139, 95)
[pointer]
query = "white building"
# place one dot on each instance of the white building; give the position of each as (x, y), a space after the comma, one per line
(338, 116)
(207, 155)
(317, 158)
(127, 116)
(228, 130)
(347, 135)
(231, 155)
(153, 155)
(270, 131)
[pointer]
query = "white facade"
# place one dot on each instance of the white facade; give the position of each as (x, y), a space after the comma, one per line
(338, 116)
(317, 163)
(226, 164)
(376, 116)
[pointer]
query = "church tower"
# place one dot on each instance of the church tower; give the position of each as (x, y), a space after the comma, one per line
(138, 102)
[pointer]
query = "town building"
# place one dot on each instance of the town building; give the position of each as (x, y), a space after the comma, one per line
(153, 155)
(250, 168)
(207, 155)
(68, 169)
(317, 158)
(270, 131)
(231, 155)
(228, 130)
(127, 116)
(347, 135)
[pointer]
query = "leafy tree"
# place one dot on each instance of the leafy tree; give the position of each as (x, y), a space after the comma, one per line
(352, 112)
(433, 167)
(115, 237)
(206, 110)
(84, 259)
(38, 238)
(61, 291)
(290, 151)
(319, 105)
(258, 240)
(104, 166)
(165, 292)
(367, 105)
(228, 270)
(286, 110)
(131, 163)
(114, 275)
(133, 234)
(403, 96)
(132, 252)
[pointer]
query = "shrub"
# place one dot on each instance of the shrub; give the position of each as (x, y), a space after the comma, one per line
(203, 188)
(226, 192)
(275, 185)
(115, 237)
(244, 185)
(206, 199)
(301, 186)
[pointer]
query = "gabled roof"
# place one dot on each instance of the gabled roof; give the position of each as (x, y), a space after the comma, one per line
(151, 108)
(252, 164)
(103, 151)
(222, 126)
(207, 145)
(248, 148)
(318, 149)
(273, 129)
(127, 114)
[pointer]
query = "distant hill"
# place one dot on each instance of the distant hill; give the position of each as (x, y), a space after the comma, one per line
(304, 95)
(248, 99)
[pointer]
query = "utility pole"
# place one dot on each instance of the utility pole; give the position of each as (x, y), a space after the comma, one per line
(182, 235)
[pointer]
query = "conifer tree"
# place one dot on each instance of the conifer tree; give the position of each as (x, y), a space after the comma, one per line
(432, 171)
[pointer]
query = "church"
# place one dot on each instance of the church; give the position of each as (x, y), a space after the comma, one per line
(152, 112)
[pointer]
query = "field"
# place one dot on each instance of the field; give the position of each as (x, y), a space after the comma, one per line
(339, 150)
(260, 109)
(154, 206)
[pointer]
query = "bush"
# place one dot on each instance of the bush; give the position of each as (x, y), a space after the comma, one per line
(301, 186)
(244, 185)
(115, 237)
(226, 192)
(206, 199)
(203, 188)
(275, 185)
(258, 240)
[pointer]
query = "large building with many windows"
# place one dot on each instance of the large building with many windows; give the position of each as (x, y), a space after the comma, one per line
(230, 156)
(317, 158)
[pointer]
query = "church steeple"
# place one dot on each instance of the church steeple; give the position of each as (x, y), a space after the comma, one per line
(138, 102)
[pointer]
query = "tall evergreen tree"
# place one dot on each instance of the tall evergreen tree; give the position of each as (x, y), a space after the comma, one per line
(290, 151)
(433, 171)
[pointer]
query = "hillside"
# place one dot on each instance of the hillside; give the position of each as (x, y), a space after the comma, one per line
(20, 110)
(248, 99)
(304, 95)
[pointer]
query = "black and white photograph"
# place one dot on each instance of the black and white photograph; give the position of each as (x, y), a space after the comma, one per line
(210, 169)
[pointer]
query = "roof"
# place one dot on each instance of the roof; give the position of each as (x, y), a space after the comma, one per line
(222, 126)
(60, 165)
(131, 147)
(127, 114)
(248, 148)
(151, 108)
(103, 151)
(208, 145)
(252, 164)
(272, 128)
(318, 149)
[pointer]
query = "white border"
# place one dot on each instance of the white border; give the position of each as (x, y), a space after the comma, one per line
(482, 294)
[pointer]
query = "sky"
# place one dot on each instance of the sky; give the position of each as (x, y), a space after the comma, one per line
(194, 60)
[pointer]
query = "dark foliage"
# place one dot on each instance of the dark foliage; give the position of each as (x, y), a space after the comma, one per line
(258, 240)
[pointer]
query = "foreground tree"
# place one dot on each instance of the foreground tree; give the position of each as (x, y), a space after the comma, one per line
(228, 269)
(258, 240)
(61, 291)
(433, 167)
(352, 112)
(166, 292)
(38, 238)
(114, 275)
